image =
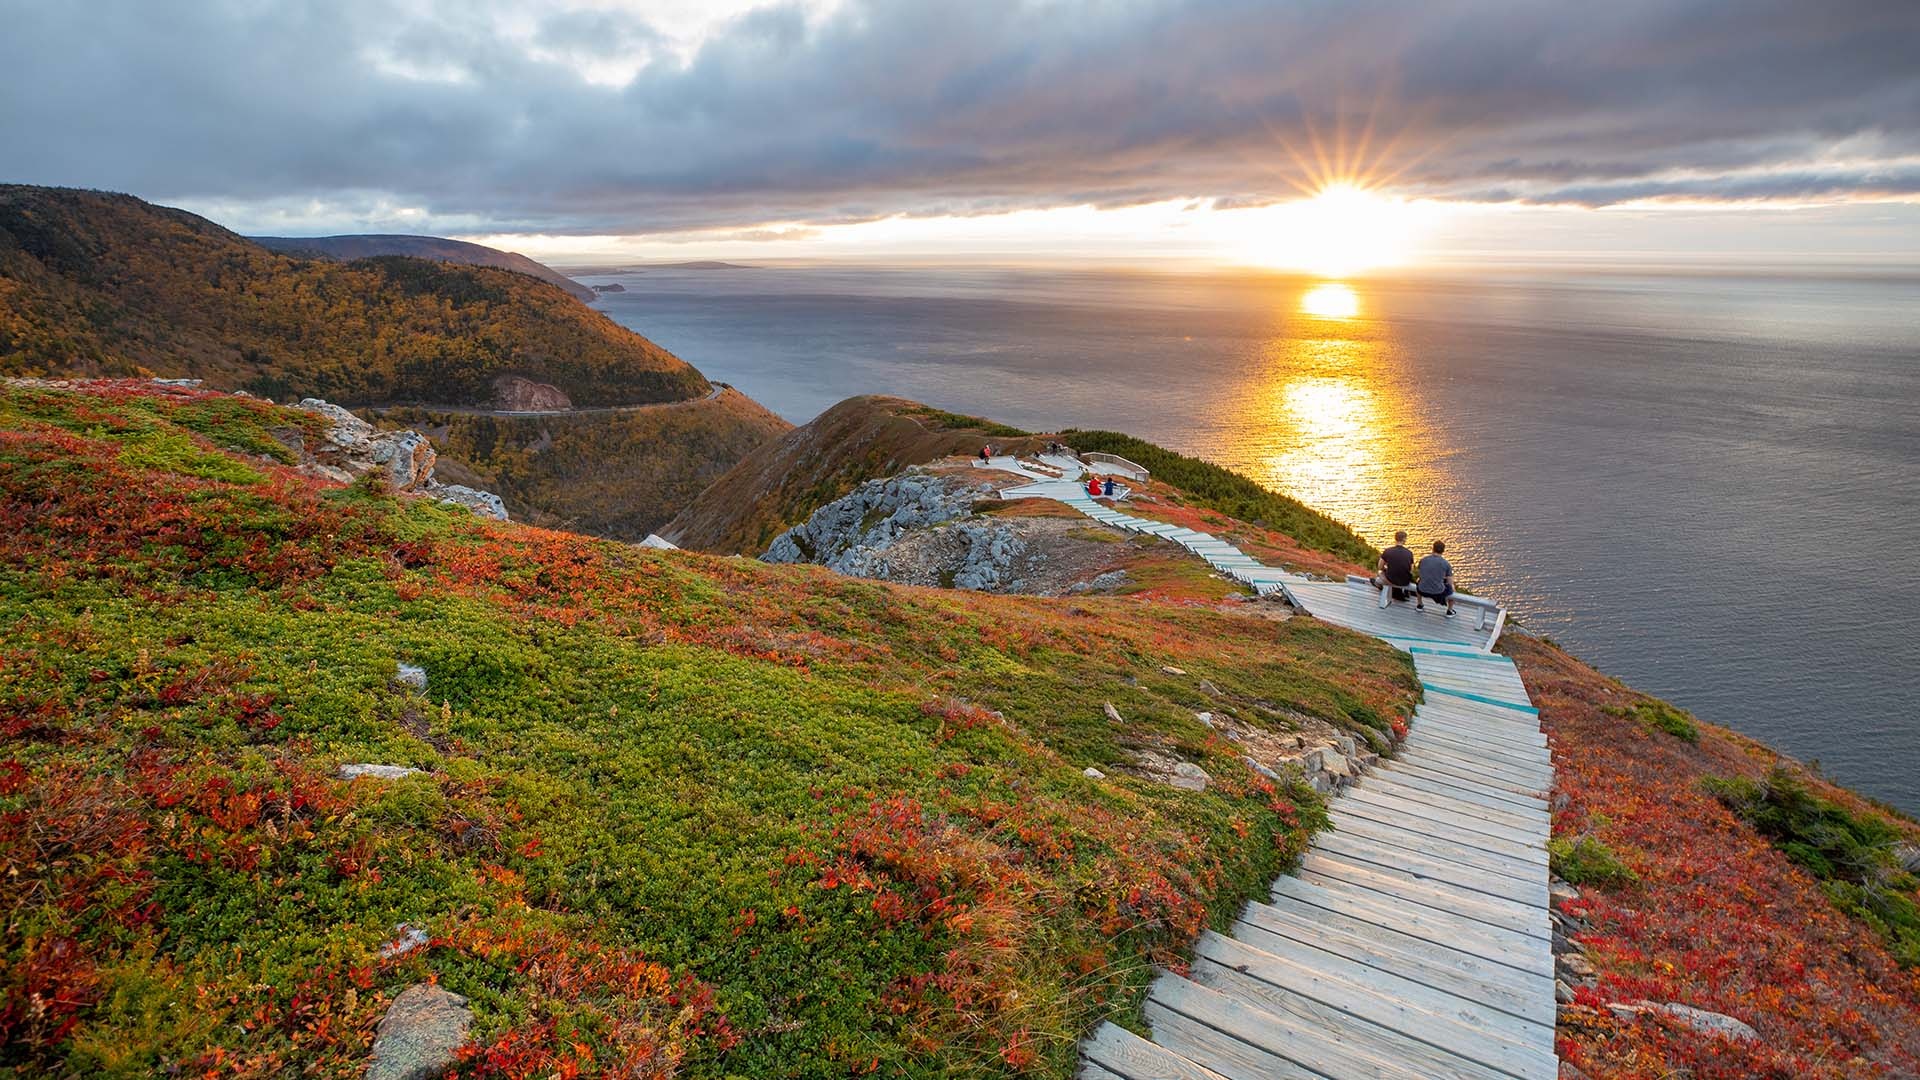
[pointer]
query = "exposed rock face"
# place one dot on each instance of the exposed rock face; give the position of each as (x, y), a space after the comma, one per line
(514, 393)
(352, 447)
(417, 1037)
(484, 503)
(851, 534)
(404, 459)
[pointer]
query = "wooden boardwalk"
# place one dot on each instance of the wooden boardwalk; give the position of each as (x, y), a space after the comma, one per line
(1414, 942)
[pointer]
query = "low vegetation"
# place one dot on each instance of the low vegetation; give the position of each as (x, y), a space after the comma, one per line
(1208, 485)
(1715, 914)
(1854, 855)
(1587, 860)
(97, 284)
(676, 814)
(1658, 715)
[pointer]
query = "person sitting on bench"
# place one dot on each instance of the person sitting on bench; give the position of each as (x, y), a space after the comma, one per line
(1396, 571)
(1436, 580)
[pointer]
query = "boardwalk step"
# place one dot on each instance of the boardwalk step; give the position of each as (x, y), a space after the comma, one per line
(1119, 1052)
(1447, 1023)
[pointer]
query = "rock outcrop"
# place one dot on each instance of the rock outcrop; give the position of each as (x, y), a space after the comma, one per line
(351, 448)
(515, 393)
(851, 534)
(417, 1038)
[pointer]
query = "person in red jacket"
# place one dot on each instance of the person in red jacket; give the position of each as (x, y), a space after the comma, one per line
(1093, 486)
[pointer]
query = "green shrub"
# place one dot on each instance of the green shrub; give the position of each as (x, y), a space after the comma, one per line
(1851, 854)
(1587, 860)
(1660, 716)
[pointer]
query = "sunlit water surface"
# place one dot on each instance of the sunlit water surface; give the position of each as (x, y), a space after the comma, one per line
(1707, 485)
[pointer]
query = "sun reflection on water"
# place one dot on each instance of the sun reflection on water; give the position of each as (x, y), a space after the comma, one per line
(1324, 422)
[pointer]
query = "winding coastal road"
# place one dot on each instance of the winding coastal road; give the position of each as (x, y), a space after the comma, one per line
(475, 410)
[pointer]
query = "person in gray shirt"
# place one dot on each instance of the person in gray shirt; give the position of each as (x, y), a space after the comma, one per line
(1436, 580)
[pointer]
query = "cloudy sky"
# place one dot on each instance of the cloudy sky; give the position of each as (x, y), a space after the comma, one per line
(983, 127)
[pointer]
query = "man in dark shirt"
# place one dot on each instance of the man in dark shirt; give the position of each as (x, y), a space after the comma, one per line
(1436, 580)
(1396, 570)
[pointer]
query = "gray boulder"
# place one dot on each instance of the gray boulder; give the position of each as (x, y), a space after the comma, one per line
(417, 1038)
(1190, 777)
(483, 503)
(377, 772)
(411, 676)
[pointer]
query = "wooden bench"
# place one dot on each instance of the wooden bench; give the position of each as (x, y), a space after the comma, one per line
(1489, 610)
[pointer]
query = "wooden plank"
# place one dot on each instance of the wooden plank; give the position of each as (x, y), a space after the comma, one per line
(1418, 920)
(1522, 994)
(1317, 1041)
(1223, 1054)
(1528, 763)
(1514, 861)
(1517, 889)
(1460, 787)
(1520, 707)
(1417, 883)
(1479, 721)
(1434, 754)
(1121, 1051)
(1512, 741)
(1461, 707)
(1438, 769)
(1408, 811)
(1458, 802)
(1327, 869)
(1090, 1071)
(1375, 1043)
(1439, 1019)
(1520, 764)
(1494, 657)
(1503, 782)
(1523, 764)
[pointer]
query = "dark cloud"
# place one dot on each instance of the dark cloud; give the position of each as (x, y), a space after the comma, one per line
(477, 113)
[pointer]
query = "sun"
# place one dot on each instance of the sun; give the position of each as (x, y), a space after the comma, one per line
(1344, 229)
(1331, 300)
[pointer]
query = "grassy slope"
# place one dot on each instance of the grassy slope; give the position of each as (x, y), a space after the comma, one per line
(1719, 917)
(679, 811)
(99, 284)
(615, 474)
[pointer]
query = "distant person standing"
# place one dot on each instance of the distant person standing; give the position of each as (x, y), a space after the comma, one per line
(1436, 580)
(986, 454)
(1395, 578)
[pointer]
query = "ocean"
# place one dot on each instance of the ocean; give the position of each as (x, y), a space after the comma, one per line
(1705, 483)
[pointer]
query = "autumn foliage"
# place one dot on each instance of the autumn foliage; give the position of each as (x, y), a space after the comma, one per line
(1713, 914)
(676, 815)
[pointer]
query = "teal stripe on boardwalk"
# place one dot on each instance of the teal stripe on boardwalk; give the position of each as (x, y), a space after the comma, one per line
(1461, 655)
(1482, 698)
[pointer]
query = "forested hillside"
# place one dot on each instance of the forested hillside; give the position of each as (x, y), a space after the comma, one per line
(367, 245)
(96, 284)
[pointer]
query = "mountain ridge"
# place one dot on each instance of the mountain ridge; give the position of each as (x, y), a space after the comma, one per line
(346, 247)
